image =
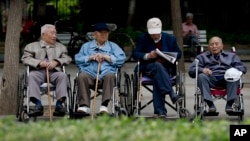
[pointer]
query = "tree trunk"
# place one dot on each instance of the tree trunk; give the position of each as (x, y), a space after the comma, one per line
(9, 80)
(177, 28)
(131, 11)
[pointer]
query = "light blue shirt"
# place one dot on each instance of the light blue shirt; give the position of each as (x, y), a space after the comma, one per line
(110, 48)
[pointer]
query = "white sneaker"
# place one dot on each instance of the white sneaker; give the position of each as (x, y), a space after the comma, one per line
(84, 109)
(103, 110)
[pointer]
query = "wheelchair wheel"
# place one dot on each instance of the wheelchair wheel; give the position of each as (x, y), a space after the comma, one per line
(135, 104)
(239, 107)
(20, 98)
(74, 97)
(126, 96)
(181, 87)
(125, 42)
(69, 93)
(25, 117)
(184, 113)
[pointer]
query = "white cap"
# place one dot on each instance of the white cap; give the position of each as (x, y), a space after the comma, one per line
(232, 75)
(154, 26)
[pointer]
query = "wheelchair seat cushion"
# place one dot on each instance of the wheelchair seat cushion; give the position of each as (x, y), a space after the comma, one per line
(44, 87)
(220, 91)
(145, 80)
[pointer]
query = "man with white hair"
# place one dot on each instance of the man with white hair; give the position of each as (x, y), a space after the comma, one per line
(155, 66)
(39, 55)
(212, 67)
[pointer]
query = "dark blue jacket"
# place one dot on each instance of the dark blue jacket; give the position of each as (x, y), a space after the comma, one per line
(145, 44)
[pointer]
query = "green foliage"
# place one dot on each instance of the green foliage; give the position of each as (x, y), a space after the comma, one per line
(66, 7)
(230, 37)
(133, 33)
(107, 128)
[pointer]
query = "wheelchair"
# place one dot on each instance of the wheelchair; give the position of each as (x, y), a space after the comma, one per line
(116, 105)
(24, 109)
(201, 107)
(140, 81)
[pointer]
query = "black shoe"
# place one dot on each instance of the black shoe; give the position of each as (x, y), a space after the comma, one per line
(229, 108)
(162, 115)
(38, 111)
(178, 98)
(212, 108)
(59, 111)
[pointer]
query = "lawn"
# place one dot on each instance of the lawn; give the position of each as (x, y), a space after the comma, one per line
(107, 128)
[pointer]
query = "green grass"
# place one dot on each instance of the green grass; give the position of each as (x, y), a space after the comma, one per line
(115, 129)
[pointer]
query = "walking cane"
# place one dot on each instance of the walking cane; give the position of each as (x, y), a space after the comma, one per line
(48, 92)
(96, 86)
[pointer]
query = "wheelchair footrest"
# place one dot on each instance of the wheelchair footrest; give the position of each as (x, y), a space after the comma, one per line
(59, 114)
(211, 113)
(33, 113)
(79, 115)
(235, 113)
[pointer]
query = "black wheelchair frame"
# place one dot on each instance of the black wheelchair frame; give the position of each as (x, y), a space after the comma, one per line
(135, 105)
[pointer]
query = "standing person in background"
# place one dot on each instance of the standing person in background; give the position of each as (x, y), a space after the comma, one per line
(190, 34)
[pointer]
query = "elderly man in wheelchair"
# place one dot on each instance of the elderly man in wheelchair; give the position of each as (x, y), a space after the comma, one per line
(156, 67)
(217, 68)
(40, 56)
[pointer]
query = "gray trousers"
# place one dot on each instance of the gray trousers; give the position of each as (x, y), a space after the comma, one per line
(37, 77)
(206, 82)
(86, 82)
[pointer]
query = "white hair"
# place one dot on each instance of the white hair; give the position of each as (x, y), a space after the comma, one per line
(45, 27)
(189, 15)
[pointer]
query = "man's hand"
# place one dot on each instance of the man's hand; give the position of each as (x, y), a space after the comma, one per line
(100, 57)
(207, 71)
(43, 64)
(50, 64)
(152, 54)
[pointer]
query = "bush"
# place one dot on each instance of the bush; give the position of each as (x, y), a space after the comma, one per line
(106, 128)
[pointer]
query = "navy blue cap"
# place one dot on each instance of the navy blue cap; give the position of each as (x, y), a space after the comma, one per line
(100, 27)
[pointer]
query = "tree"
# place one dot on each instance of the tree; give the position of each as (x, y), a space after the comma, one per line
(177, 28)
(9, 81)
(131, 11)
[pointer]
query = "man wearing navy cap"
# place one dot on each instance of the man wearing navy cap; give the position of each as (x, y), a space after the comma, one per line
(99, 50)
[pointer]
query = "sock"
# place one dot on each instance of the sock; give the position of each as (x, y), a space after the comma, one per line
(172, 94)
(38, 102)
(58, 103)
(105, 103)
(209, 103)
(230, 102)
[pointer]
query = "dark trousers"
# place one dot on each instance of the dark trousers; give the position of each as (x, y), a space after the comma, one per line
(192, 41)
(161, 85)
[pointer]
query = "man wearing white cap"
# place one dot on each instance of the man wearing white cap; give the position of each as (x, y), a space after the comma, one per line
(156, 67)
(218, 68)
